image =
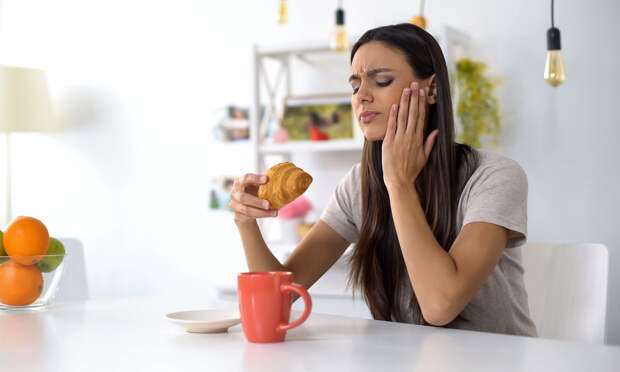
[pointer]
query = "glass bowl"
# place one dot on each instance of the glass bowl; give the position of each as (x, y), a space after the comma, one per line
(29, 282)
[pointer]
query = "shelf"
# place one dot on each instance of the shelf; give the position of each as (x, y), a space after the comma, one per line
(305, 48)
(311, 146)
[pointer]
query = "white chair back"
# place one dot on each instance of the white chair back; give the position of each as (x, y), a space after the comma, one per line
(567, 289)
(73, 284)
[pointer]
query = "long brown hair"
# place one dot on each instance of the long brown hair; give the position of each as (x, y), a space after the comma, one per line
(377, 266)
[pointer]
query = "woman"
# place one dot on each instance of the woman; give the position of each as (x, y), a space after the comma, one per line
(436, 223)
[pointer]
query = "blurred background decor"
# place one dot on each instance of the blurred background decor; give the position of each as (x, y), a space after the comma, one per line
(233, 126)
(318, 117)
(219, 192)
(478, 108)
(292, 216)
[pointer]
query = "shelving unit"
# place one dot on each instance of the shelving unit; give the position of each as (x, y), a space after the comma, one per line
(280, 85)
(270, 87)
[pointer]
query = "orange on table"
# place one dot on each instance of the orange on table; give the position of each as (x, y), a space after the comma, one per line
(25, 239)
(19, 285)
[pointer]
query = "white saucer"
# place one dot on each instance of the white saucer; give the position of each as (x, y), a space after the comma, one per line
(205, 321)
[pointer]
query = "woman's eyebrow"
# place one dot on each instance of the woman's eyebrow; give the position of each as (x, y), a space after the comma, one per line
(372, 72)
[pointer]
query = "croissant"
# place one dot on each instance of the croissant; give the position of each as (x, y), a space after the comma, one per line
(286, 183)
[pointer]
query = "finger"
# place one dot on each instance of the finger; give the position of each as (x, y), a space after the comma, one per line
(253, 179)
(430, 142)
(403, 109)
(251, 211)
(248, 199)
(421, 115)
(413, 110)
(391, 125)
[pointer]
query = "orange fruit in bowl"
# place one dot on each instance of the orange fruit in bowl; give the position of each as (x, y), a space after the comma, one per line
(19, 285)
(26, 240)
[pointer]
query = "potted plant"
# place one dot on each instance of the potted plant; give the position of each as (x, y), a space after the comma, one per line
(478, 107)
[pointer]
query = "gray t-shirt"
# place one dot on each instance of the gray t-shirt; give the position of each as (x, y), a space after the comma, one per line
(495, 193)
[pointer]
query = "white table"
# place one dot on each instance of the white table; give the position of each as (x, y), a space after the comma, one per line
(131, 335)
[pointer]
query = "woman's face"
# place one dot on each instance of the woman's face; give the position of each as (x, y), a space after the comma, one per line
(379, 75)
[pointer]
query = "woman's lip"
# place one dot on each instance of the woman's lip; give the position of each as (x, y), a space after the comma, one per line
(368, 116)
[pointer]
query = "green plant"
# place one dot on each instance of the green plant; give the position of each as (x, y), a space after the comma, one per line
(478, 108)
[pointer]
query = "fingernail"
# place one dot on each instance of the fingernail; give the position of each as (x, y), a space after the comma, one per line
(407, 91)
(266, 205)
(422, 92)
(263, 178)
(414, 85)
(274, 213)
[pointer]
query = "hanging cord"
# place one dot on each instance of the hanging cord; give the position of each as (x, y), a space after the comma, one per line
(552, 23)
(421, 7)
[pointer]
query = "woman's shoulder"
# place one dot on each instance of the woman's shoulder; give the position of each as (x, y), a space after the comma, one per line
(490, 158)
(491, 162)
(497, 169)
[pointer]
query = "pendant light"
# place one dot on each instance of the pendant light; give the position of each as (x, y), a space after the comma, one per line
(340, 40)
(554, 66)
(419, 19)
(282, 12)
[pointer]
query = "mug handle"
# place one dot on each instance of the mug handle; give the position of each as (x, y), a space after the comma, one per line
(301, 291)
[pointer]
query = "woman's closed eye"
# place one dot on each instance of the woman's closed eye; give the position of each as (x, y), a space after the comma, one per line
(384, 83)
(380, 83)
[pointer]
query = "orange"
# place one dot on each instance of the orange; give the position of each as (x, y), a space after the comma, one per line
(19, 285)
(25, 239)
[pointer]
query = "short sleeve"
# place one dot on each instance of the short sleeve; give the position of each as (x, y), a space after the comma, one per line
(338, 213)
(499, 196)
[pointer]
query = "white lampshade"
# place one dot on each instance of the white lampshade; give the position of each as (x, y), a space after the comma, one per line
(24, 100)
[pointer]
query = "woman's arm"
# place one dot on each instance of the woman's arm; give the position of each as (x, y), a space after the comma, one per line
(316, 253)
(257, 254)
(444, 282)
(247, 208)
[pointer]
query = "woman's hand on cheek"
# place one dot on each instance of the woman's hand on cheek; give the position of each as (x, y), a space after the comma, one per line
(404, 152)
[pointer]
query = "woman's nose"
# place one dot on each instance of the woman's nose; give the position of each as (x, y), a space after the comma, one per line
(364, 94)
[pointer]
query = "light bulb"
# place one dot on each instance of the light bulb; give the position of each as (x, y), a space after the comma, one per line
(340, 40)
(554, 66)
(282, 12)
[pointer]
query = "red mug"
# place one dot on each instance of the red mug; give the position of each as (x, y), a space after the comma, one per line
(265, 304)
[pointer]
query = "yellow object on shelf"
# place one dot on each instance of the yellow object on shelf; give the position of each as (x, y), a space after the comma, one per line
(419, 21)
(303, 229)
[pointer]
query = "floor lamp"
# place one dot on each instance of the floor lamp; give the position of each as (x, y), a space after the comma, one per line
(24, 107)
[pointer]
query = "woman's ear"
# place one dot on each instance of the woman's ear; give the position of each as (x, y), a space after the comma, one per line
(432, 90)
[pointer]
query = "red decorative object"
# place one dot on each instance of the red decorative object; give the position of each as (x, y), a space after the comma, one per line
(317, 135)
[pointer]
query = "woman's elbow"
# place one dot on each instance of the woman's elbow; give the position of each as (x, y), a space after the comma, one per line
(439, 314)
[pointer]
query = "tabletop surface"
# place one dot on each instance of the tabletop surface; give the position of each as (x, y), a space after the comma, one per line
(132, 335)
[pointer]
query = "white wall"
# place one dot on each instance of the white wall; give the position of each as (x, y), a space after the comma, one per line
(141, 80)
